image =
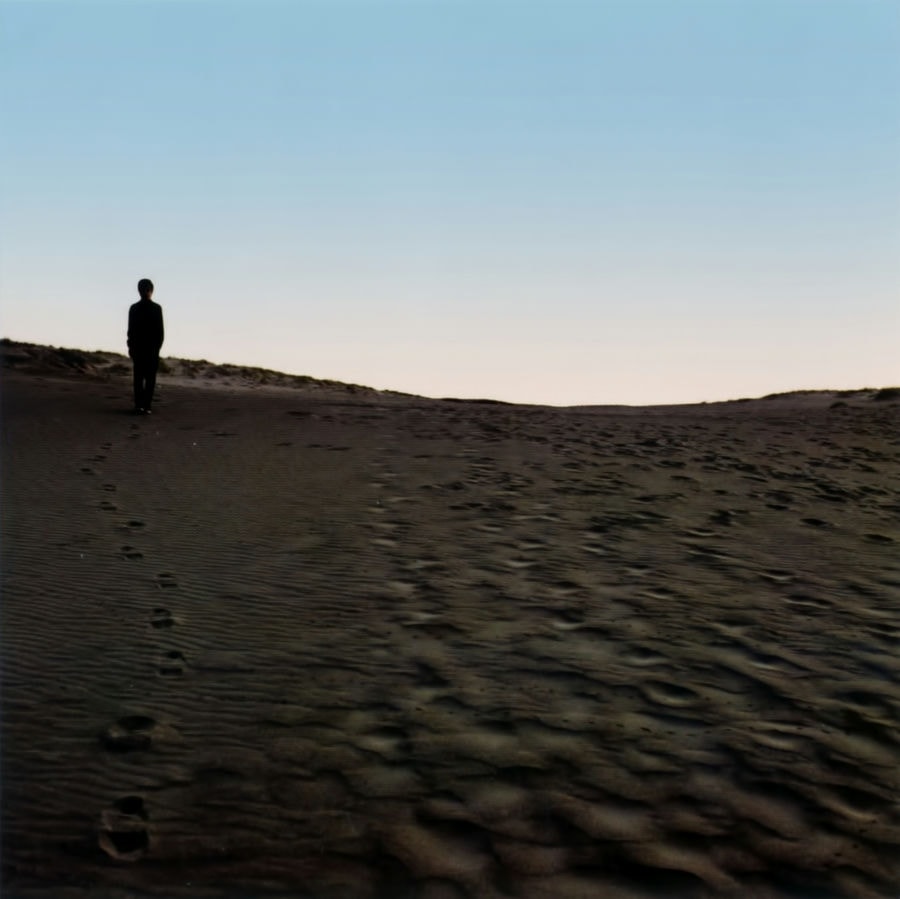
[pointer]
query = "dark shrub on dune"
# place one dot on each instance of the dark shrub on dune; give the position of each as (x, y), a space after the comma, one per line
(72, 358)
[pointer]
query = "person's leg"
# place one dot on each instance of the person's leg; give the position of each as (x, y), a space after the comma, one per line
(138, 384)
(150, 385)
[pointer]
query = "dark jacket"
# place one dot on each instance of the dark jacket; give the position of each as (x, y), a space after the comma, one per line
(145, 329)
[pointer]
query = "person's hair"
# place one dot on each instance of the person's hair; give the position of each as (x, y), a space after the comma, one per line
(145, 284)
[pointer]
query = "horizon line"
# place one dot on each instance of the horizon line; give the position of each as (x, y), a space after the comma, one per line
(244, 369)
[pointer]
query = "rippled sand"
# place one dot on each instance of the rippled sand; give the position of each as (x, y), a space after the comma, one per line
(318, 642)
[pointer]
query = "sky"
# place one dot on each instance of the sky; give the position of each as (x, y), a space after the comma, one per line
(615, 201)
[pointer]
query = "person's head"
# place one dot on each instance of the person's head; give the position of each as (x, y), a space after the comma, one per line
(145, 288)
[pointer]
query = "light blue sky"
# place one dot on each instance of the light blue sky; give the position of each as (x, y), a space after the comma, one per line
(567, 202)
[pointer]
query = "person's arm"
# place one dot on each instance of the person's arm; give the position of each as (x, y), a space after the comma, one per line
(130, 336)
(162, 331)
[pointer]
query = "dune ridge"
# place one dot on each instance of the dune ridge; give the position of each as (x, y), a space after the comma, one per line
(329, 641)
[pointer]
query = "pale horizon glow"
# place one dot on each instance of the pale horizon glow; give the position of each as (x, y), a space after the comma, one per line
(568, 203)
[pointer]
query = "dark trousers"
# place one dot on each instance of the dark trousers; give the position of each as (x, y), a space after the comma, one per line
(145, 368)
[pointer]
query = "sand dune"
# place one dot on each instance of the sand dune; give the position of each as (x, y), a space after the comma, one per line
(314, 640)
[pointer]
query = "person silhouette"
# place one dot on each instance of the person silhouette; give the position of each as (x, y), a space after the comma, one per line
(145, 339)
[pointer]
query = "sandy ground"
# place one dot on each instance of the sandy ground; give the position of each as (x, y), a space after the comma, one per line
(322, 642)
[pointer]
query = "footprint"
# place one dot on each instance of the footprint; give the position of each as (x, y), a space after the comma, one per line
(387, 741)
(803, 599)
(568, 619)
(422, 565)
(87, 470)
(776, 736)
(123, 833)
(161, 618)
(490, 528)
(166, 581)
(594, 549)
(129, 552)
(642, 657)
(109, 488)
(777, 577)
(702, 533)
(670, 694)
(859, 803)
(135, 523)
(530, 546)
(878, 538)
(427, 676)
(107, 506)
(430, 623)
(129, 734)
(173, 664)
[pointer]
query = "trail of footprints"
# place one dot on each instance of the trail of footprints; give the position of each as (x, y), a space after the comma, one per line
(124, 829)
